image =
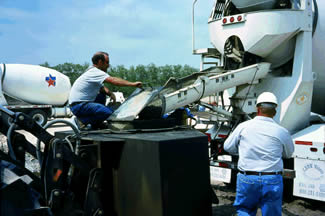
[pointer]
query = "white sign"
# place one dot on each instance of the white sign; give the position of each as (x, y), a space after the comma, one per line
(218, 174)
(310, 179)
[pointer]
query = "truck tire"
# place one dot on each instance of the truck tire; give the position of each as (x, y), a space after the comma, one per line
(39, 116)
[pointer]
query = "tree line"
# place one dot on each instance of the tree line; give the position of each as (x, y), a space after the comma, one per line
(149, 75)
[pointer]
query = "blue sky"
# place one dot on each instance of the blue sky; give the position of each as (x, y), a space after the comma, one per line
(133, 32)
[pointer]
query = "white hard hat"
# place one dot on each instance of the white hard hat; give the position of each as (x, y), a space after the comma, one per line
(267, 97)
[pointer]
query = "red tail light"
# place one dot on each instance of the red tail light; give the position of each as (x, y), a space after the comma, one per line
(224, 165)
(234, 19)
(313, 149)
(303, 143)
(224, 20)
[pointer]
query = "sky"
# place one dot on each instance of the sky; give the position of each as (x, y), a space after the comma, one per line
(133, 32)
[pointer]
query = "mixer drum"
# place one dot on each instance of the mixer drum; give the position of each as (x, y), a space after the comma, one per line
(270, 34)
(35, 84)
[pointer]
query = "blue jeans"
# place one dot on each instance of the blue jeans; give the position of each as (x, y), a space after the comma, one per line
(255, 191)
(93, 113)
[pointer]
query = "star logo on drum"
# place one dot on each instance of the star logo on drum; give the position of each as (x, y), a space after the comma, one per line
(50, 80)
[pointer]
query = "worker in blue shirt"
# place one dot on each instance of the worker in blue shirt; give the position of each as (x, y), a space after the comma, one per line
(260, 143)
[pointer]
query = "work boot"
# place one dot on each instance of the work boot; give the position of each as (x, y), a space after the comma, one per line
(80, 125)
(102, 125)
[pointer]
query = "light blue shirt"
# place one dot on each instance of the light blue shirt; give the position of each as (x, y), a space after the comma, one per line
(87, 86)
(261, 143)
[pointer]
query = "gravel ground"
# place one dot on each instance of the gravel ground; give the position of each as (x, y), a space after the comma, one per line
(3, 145)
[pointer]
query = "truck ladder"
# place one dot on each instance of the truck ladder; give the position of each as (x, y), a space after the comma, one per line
(218, 9)
(210, 53)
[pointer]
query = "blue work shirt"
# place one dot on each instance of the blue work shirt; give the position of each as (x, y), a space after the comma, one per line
(261, 143)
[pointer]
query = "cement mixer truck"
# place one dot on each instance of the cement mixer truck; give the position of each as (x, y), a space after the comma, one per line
(258, 46)
(37, 91)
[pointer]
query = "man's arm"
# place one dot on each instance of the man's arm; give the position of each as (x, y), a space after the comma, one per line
(105, 90)
(121, 82)
(231, 143)
(288, 146)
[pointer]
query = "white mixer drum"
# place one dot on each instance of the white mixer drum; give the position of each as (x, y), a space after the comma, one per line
(285, 52)
(274, 42)
(318, 105)
(35, 84)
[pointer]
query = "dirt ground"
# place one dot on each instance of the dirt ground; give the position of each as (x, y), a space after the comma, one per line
(292, 206)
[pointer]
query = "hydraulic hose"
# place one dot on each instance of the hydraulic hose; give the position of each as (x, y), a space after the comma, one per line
(38, 144)
(10, 148)
(39, 155)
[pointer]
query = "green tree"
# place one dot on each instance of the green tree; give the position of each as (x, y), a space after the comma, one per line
(149, 75)
(73, 71)
(153, 73)
(45, 64)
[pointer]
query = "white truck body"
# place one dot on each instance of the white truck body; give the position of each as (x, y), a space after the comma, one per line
(35, 90)
(309, 162)
(289, 36)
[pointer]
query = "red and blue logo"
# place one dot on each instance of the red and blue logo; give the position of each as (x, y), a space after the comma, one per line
(51, 80)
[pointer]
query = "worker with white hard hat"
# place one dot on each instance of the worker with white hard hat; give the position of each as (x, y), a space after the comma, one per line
(268, 98)
(260, 143)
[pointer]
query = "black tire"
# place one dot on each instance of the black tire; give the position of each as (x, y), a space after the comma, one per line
(39, 116)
